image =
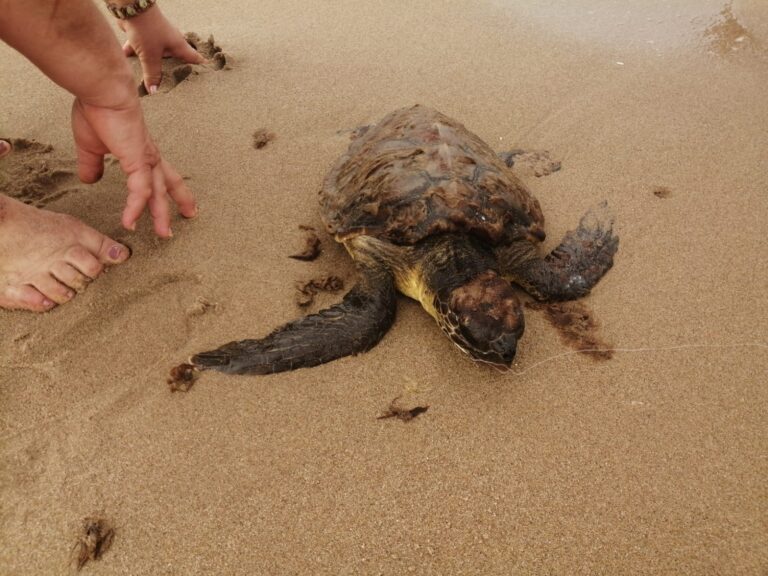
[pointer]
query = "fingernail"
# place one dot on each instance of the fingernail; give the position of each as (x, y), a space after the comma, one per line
(153, 89)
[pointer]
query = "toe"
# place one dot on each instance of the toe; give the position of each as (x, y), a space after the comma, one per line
(106, 250)
(5, 147)
(71, 276)
(83, 261)
(25, 297)
(53, 289)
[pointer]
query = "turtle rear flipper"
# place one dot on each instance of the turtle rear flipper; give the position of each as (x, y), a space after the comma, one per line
(573, 268)
(354, 325)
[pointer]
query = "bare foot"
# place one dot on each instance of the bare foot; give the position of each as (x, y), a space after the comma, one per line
(47, 257)
(5, 147)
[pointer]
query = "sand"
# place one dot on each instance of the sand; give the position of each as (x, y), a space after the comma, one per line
(651, 462)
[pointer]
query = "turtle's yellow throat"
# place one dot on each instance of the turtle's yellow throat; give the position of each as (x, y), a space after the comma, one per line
(405, 262)
(411, 282)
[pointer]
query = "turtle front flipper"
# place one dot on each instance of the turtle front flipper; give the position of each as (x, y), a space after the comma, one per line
(354, 325)
(573, 268)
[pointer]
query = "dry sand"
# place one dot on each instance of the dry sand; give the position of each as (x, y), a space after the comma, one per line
(653, 462)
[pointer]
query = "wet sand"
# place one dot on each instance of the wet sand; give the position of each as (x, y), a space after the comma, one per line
(650, 462)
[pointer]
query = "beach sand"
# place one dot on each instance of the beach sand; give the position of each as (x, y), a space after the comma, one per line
(651, 462)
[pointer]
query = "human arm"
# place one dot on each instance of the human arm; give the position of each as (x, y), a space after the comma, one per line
(151, 37)
(71, 42)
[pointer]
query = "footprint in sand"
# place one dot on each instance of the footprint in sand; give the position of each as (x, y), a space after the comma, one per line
(33, 174)
(175, 72)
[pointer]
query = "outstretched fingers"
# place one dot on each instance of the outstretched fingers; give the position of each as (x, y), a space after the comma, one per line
(151, 188)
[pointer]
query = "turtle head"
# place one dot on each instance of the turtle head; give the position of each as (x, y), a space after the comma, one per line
(483, 317)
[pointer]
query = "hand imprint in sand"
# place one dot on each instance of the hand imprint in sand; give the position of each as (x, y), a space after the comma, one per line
(33, 174)
(175, 72)
(94, 540)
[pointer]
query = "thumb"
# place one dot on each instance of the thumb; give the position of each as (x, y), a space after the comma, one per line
(90, 150)
(153, 71)
(90, 165)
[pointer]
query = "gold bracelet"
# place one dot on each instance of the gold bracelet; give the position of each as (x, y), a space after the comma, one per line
(125, 12)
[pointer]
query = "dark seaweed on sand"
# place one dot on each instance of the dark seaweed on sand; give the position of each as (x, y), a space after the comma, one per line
(94, 540)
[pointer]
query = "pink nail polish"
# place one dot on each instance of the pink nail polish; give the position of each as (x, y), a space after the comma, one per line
(115, 252)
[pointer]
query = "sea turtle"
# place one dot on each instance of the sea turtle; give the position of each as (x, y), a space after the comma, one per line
(424, 206)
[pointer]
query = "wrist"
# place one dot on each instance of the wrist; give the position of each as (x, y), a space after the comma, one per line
(116, 90)
(127, 9)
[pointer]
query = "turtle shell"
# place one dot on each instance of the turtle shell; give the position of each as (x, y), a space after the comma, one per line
(418, 173)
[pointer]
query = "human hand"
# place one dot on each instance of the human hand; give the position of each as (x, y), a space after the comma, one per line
(151, 37)
(122, 132)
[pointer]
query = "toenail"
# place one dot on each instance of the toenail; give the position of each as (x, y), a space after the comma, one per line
(48, 303)
(116, 252)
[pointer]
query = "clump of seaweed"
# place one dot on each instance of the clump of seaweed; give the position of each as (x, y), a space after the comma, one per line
(395, 410)
(306, 291)
(262, 137)
(182, 378)
(94, 540)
